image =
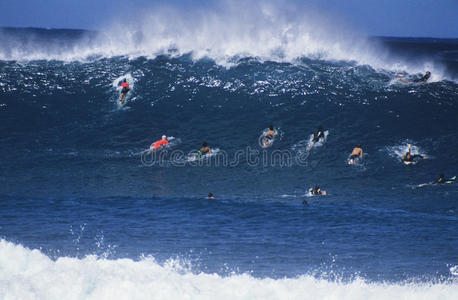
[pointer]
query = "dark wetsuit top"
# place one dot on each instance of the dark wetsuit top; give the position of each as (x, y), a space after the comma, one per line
(443, 180)
(424, 78)
(412, 157)
(316, 191)
(317, 136)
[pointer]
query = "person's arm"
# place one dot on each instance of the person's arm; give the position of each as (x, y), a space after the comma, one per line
(361, 153)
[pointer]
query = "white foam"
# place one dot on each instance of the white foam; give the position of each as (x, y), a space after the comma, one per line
(29, 274)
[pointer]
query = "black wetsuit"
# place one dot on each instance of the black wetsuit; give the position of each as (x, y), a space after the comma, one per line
(412, 157)
(317, 136)
(316, 191)
(442, 180)
(424, 78)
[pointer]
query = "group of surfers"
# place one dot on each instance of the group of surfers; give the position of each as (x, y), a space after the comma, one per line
(355, 156)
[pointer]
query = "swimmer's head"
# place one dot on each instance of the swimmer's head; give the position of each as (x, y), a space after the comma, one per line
(441, 175)
(428, 74)
(124, 80)
(204, 144)
(358, 145)
(164, 137)
(271, 127)
(320, 128)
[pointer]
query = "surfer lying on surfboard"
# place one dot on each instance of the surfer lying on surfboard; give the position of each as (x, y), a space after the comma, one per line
(125, 89)
(423, 78)
(356, 154)
(408, 157)
(204, 150)
(316, 191)
(268, 137)
(440, 180)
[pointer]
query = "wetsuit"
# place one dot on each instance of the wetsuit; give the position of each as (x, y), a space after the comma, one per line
(317, 136)
(316, 191)
(411, 158)
(424, 78)
(443, 180)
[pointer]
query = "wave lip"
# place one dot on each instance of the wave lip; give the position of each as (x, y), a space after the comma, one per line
(29, 274)
(268, 30)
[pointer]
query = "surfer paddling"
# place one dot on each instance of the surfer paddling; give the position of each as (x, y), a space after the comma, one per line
(315, 191)
(268, 136)
(204, 150)
(356, 154)
(409, 157)
(319, 134)
(158, 144)
(440, 180)
(423, 78)
(125, 89)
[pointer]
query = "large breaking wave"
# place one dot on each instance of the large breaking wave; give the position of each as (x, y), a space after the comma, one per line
(225, 32)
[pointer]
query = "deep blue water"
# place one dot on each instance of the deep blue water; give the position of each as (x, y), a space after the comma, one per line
(73, 182)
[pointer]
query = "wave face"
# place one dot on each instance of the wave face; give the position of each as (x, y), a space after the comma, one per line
(76, 184)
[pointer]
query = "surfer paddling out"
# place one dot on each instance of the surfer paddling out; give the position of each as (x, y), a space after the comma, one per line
(269, 137)
(409, 158)
(356, 155)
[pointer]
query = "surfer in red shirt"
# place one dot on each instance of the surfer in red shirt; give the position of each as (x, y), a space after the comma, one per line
(125, 89)
(160, 143)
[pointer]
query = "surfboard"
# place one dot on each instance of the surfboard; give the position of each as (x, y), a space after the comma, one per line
(451, 180)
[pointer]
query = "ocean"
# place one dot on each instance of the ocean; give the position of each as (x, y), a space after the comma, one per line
(86, 212)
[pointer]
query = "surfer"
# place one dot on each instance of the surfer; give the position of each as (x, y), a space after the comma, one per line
(269, 136)
(210, 196)
(125, 89)
(316, 191)
(439, 180)
(160, 143)
(442, 179)
(424, 78)
(356, 154)
(204, 150)
(319, 134)
(408, 157)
